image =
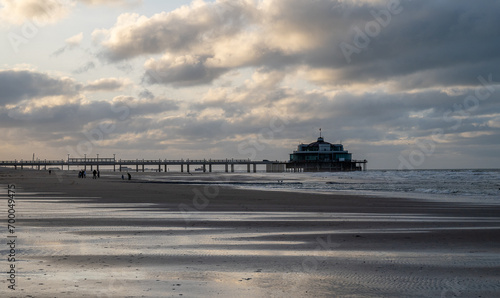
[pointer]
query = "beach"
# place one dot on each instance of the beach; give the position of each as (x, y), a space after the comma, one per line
(110, 237)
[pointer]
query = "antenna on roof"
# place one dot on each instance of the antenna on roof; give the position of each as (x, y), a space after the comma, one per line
(320, 132)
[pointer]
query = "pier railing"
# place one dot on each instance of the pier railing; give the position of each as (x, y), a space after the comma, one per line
(206, 164)
(30, 162)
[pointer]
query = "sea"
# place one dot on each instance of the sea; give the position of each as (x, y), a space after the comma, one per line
(481, 186)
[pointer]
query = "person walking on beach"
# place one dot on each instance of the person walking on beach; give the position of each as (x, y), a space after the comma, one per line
(129, 176)
(94, 176)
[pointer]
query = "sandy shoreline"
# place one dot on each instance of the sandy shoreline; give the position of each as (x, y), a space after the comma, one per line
(114, 238)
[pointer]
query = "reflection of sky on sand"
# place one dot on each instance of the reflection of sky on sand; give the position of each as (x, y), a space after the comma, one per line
(216, 253)
(125, 238)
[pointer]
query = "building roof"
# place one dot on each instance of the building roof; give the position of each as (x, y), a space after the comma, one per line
(318, 142)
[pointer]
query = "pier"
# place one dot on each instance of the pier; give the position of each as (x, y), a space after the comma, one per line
(159, 165)
(327, 166)
(321, 156)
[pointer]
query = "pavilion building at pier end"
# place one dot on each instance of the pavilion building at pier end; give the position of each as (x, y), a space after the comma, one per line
(322, 156)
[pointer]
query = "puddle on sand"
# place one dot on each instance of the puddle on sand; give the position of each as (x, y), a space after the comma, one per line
(151, 260)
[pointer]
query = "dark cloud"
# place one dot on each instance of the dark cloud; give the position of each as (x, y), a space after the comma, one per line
(54, 111)
(18, 85)
(413, 44)
(429, 44)
(192, 71)
(146, 94)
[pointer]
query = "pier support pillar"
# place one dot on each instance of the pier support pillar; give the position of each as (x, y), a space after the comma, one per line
(204, 168)
(248, 168)
(137, 168)
(182, 168)
(187, 166)
(227, 168)
(255, 168)
(143, 168)
(232, 168)
(210, 168)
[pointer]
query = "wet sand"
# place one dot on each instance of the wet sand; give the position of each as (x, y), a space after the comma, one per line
(113, 238)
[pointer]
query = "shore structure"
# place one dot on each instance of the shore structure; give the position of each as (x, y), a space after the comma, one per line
(321, 156)
(137, 165)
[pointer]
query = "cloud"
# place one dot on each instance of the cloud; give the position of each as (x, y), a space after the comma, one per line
(18, 85)
(181, 71)
(276, 63)
(190, 28)
(234, 121)
(30, 95)
(111, 2)
(107, 84)
(75, 40)
(71, 43)
(146, 94)
(54, 112)
(20, 11)
(176, 31)
(48, 11)
(407, 44)
(243, 115)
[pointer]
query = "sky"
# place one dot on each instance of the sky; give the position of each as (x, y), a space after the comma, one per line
(403, 84)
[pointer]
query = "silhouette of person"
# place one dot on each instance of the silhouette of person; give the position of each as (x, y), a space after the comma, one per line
(129, 176)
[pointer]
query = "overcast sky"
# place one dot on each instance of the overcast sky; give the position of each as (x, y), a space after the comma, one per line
(403, 84)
